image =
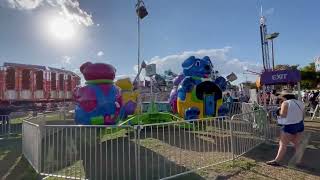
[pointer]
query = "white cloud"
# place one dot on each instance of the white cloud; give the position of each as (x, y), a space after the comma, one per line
(70, 9)
(66, 60)
(219, 57)
(100, 53)
(24, 4)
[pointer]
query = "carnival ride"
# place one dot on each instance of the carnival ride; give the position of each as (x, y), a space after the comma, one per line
(194, 95)
(25, 87)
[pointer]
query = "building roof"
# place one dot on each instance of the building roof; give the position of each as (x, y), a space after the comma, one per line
(62, 71)
(6, 64)
(30, 66)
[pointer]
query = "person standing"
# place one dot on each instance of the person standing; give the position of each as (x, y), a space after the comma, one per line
(313, 100)
(273, 98)
(290, 116)
(228, 98)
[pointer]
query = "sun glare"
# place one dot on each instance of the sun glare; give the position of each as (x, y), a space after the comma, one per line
(61, 28)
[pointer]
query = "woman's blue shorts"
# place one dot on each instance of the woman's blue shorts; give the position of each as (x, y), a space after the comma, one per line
(293, 128)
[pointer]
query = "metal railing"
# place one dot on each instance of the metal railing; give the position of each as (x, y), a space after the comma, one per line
(8, 127)
(88, 152)
(4, 125)
(11, 125)
(151, 151)
(238, 108)
(167, 150)
(250, 130)
(31, 144)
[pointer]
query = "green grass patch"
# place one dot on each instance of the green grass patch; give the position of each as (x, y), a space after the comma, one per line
(151, 118)
(22, 170)
(241, 163)
(151, 143)
(112, 133)
(17, 120)
(76, 170)
(53, 117)
(3, 153)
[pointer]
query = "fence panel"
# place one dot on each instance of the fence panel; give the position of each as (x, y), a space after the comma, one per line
(88, 152)
(167, 150)
(250, 130)
(31, 144)
(238, 108)
(4, 125)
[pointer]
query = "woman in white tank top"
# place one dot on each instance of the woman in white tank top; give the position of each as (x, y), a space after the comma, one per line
(290, 116)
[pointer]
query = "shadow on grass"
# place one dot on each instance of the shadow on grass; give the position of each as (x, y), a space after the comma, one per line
(112, 158)
(13, 165)
(310, 162)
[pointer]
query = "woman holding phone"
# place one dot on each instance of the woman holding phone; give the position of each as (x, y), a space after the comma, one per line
(290, 116)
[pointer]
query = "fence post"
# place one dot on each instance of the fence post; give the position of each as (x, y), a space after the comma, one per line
(265, 125)
(231, 140)
(9, 125)
(22, 137)
(137, 130)
(39, 148)
(39, 142)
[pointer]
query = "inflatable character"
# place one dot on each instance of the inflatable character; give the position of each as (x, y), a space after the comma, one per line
(174, 93)
(198, 95)
(98, 102)
(129, 98)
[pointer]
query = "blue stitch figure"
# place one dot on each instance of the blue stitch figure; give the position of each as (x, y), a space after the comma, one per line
(198, 95)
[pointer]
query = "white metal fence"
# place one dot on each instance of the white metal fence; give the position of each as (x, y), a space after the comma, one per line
(31, 146)
(7, 127)
(239, 108)
(10, 124)
(250, 130)
(152, 151)
(170, 149)
(4, 125)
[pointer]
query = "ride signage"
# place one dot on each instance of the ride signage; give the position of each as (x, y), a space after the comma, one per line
(280, 77)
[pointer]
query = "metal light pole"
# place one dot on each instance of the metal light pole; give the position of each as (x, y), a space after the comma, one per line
(272, 51)
(141, 13)
(271, 37)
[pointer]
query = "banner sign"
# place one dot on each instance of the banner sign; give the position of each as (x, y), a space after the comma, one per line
(232, 77)
(280, 77)
(151, 70)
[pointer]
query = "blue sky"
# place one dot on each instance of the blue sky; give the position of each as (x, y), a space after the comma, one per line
(227, 31)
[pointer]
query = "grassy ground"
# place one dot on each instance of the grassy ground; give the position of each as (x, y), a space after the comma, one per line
(12, 164)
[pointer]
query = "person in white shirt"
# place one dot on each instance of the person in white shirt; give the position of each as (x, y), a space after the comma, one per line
(290, 116)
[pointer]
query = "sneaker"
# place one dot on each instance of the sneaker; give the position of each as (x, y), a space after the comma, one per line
(273, 163)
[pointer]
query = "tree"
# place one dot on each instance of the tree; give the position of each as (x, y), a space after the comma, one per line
(286, 67)
(309, 77)
(309, 68)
